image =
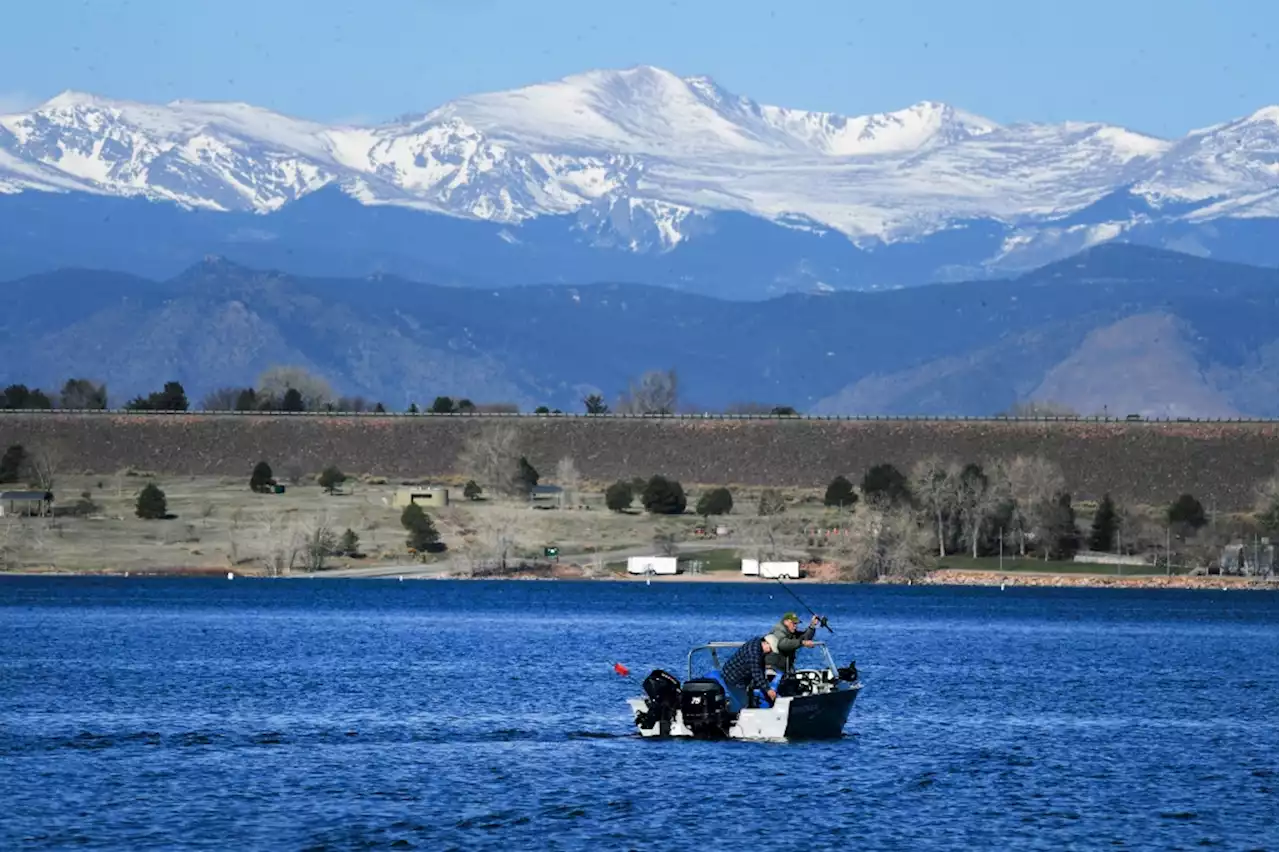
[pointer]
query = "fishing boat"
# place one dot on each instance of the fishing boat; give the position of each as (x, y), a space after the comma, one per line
(814, 700)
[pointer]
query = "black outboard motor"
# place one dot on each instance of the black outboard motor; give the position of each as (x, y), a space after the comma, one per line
(848, 673)
(704, 708)
(663, 700)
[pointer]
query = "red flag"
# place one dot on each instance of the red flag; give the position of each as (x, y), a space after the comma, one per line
(621, 669)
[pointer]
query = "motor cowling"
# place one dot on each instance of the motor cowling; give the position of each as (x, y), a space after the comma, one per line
(704, 708)
(662, 699)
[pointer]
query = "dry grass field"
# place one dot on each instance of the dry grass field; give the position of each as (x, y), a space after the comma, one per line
(217, 524)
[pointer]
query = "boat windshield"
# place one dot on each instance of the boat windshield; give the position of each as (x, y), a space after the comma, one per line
(711, 657)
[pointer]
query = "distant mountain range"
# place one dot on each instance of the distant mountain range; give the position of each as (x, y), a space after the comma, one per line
(634, 175)
(1118, 327)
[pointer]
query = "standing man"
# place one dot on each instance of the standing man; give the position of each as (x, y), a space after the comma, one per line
(745, 669)
(786, 638)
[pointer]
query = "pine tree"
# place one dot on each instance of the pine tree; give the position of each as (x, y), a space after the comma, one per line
(151, 504)
(717, 501)
(331, 478)
(1106, 523)
(422, 532)
(618, 496)
(261, 479)
(12, 463)
(840, 493)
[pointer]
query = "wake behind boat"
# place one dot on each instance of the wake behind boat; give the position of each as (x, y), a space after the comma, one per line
(814, 702)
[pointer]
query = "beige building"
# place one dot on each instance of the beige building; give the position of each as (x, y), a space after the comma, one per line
(434, 496)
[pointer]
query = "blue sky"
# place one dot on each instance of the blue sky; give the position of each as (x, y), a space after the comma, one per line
(1158, 67)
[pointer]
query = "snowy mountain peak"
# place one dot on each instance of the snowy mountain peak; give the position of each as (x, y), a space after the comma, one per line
(644, 153)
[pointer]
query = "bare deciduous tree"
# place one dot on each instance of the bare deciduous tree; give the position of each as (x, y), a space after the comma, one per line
(317, 541)
(979, 492)
(498, 532)
(883, 540)
(655, 393)
(491, 457)
(43, 462)
(222, 399)
(771, 503)
(936, 485)
(568, 479)
(1033, 482)
(276, 381)
(1040, 408)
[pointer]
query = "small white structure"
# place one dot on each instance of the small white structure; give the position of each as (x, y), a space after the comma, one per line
(770, 570)
(751, 567)
(652, 565)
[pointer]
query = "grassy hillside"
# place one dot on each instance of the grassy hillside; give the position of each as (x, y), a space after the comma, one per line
(1220, 463)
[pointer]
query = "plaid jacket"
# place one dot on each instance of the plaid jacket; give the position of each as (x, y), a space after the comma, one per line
(745, 668)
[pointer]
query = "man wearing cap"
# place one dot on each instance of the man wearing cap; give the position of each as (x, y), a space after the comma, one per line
(745, 669)
(786, 639)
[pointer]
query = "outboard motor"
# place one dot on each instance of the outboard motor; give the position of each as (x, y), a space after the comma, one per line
(704, 708)
(848, 673)
(663, 700)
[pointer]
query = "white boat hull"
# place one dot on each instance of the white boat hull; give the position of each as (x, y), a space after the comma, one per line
(819, 716)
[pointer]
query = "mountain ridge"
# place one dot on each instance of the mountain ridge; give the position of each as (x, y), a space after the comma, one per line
(975, 348)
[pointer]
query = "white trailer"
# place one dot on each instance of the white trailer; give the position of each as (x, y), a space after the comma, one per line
(770, 570)
(652, 565)
(751, 567)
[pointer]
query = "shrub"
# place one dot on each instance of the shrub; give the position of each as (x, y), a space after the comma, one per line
(618, 496)
(151, 504)
(472, 490)
(717, 501)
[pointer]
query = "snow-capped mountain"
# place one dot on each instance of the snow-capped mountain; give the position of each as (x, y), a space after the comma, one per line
(638, 159)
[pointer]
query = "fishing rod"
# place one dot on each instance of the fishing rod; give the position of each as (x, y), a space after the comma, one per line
(822, 619)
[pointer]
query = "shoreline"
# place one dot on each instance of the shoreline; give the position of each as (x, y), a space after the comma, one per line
(956, 577)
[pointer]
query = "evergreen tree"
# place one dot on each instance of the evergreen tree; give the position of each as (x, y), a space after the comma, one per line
(618, 496)
(595, 404)
(422, 532)
(840, 493)
(472, 490)
(887, 482)
(349, 544)
(261, 480)
(442, 405)
(526, 476)
(12, 463)
(663, 496)
(331, 478)
(247, 400)
(717, 501)
(1106, 523)
(151, 504)
(292, 401)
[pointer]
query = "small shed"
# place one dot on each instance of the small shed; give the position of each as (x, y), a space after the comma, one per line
(434, 495)
(26, 503)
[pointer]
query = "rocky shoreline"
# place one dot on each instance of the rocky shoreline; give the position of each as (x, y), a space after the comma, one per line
(961, 577)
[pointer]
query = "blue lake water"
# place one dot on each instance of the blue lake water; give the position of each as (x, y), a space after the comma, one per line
(335, 714)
